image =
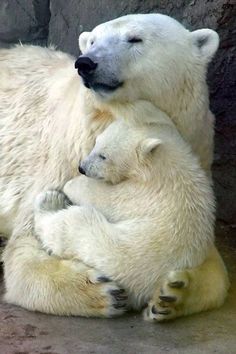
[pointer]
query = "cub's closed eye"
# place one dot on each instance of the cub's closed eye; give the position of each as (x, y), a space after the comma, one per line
(135, 40)
(102, 157)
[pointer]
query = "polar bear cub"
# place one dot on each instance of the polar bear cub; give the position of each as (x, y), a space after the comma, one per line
(145, 207)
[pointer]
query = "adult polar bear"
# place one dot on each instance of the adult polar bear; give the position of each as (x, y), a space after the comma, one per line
(49, 121)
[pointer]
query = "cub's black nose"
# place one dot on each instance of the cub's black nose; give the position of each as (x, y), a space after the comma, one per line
(81, 170)
(85, 66)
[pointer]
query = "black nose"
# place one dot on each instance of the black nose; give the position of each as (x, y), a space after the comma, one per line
(85, 66)
(81, 170)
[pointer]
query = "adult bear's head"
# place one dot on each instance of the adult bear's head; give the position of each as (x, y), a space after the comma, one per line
(143, 57)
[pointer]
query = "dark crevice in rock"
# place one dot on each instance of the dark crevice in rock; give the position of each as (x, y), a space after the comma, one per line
(42, 15)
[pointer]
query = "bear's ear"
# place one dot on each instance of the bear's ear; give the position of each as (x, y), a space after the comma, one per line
(149, 145)
(83, 39)
(206, 42)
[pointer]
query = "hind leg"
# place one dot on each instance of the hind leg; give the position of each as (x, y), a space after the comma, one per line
(39, 282)
(184, 292)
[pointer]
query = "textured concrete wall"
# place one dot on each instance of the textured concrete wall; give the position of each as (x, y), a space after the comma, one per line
(28, 21)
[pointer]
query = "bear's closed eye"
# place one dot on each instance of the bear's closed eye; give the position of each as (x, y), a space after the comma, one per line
(134, 40)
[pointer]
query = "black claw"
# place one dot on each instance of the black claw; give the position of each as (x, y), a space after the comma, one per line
(103, 279)
(120, 297)
(117, 292)
(177, 284)
(68, 202)
(167, 298)
(154, 310)
(164, 312)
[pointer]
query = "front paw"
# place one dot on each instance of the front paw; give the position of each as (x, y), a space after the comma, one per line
(51, 200)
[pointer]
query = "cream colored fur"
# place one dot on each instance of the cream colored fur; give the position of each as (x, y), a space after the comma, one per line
(152, 213)
(49, 121)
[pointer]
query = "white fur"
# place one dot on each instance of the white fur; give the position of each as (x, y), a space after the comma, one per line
(49, 122)
(157, 217)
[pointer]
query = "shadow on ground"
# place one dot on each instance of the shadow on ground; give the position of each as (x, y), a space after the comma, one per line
(23, 332)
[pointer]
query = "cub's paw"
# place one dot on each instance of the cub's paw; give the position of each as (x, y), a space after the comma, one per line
(169, 299)
(110, 300)
(51, 200)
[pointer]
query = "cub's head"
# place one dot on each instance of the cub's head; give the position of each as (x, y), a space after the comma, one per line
(121, 152)
(143, 57)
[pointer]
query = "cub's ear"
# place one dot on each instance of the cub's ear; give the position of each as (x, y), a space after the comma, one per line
(149, 145)
(206, 43)
(83, 39)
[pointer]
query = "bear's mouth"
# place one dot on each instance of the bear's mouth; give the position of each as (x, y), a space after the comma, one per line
(100, 86)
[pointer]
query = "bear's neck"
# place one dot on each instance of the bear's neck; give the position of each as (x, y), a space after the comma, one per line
(185, 102)
(188, 108)
(190, 103)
